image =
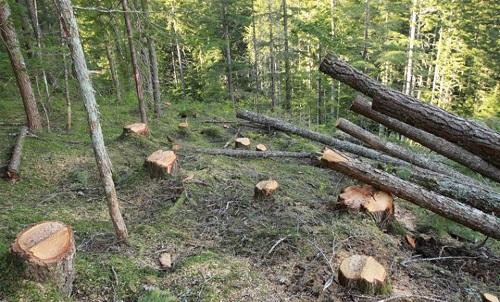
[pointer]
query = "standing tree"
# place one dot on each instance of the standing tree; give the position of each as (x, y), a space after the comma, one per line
(288, 86)
(9, 38)
(101, 155)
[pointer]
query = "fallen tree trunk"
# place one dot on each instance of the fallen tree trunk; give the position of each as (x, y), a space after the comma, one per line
(12, 172)
(257, 154)
(315, 136)
(397, 151)
(435, 143)
(473, 218)
(467, 134)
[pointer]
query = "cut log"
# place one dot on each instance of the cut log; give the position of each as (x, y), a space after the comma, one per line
(468, 134)
(261, 147)
(160, 163)
(242, 143)
(473, 218)
(315, 136)
(435, 143)
(137, 128)
(366, 198)
(363, 273)
(397, 151)
(487, 297)
(12, 171)
(47, 249)
(257, 154)
(265, 189)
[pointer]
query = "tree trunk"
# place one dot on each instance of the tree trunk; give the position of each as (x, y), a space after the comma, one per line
(271, 54)
(333, 9)
(365, 34)
(101, 155)
(229, 61)
(67, 97)
(153, 60)
(473, 218)
(9, 38)
(12, 172)
(114, 74)
(319, 101)
(288, 85)
(467, 134)
(179, 58)
(315, 136)
(397, 151)
(135, 65)
(411, 42)
(258, 85)
(257, 154)
(428, 140)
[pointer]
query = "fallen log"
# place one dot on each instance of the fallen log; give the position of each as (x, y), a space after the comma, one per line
(473, 218)
(468, 134)
(397, 151)
(315, 136)
(435, 143)
(47, 251)
(12, 171)
(257, 154)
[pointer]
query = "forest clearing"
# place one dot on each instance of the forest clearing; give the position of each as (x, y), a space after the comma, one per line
(249, 151)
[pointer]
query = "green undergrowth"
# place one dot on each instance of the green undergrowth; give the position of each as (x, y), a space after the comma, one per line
(226, 246)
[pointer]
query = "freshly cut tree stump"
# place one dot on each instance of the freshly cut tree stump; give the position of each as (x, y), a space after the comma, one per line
(48, 250)
(489, 298)
(183, 125)
(261, 147)
(265, 189)
(363, 273)
(368, 199)
(166, 261)
(137, 128)
(160, 163)
(242, 143)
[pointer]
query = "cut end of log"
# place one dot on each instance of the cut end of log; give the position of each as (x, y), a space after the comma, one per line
(368, 199)
(137, 128)
(265, 189)
(166, 261)
(48, 250)
(487, 297)
(160, 163)
(183, 125)
(242, 143)
(261, 147)
(363, 273)
(330, 157)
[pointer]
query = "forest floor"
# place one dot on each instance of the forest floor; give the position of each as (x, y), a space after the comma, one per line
(226, 245)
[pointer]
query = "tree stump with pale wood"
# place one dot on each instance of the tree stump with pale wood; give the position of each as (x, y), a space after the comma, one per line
(242, 143)
(47, 249)
(183, 125)
(161, 163)
(265, 189)
(363, 273)
(366, 198)
(487, 297)
(261, 147)
(137, 128)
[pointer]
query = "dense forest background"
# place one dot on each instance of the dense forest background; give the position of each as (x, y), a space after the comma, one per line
(266, 53)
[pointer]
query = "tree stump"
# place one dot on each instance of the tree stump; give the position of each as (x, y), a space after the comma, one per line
(48, 250)
(377, 203)
(242, 143)
(137, 128)
(261, 147)
(183, 125)
(489, 297)
(363, 273)
(265, 189)
(160, 163)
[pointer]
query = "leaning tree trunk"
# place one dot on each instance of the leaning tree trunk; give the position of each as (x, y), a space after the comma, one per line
(8, 35)
(428, 140)
(315, 136)
(397, 151)
(467, 134)
(135, 64)
(101, 155)
(12, 172)
(473, 218)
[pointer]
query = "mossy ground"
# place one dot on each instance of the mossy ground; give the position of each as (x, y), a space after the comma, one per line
(226, 246)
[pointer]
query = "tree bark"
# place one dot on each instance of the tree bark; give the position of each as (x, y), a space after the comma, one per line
(101, 155)
(428, 140)
(258, 85)
(397, 151)
(467, 134)
(473, 218)
(67, 97)
(114, 74)
(257, 154)
(12, 172)
(271, 54)
(229, 60)
(9, 37)
(315, 136)
(411, 42)
(153, 60)
(288, 85)
(135, 65)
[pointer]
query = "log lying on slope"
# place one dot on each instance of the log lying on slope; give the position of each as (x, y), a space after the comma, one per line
(473, 218)
(435, 143)
(467, 134)
(315, 136)
(257, 154)
(397, 151)
(12, 172)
